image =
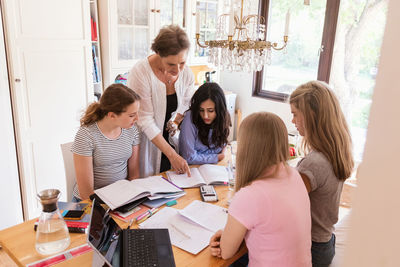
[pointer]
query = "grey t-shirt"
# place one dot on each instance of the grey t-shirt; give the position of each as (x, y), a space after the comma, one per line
(324, 196)
(110, 156)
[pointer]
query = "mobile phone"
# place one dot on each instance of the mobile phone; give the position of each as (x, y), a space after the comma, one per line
(74, 214)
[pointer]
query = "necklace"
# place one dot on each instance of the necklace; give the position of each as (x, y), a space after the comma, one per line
(169, 81)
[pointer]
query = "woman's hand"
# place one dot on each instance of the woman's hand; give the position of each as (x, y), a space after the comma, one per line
(180, 165)
(172, 127)
(214, 244)
(221, 156)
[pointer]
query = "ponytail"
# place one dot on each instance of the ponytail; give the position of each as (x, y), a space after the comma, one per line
(92, 114)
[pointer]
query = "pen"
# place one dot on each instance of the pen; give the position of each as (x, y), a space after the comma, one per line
(181, 232)
(148, 215)
(141, 216)
(130, 224)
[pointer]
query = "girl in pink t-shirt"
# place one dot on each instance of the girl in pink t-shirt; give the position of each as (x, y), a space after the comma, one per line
(271, 208)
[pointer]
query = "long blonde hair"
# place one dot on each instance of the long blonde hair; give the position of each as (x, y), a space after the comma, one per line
(262, 143)
(325, 126)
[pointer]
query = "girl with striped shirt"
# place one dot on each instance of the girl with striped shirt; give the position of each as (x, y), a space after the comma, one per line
(106, 146)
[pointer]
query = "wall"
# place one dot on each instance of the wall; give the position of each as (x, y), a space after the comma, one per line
(375, 221)
(241, 84)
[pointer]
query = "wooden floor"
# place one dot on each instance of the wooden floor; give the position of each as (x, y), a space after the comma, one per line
(5, 260)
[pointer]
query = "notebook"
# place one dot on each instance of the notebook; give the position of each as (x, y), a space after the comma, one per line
(207, 174)
(134, 247)
(122, 192)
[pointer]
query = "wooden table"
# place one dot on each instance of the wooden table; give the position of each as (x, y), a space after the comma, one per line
(19, 241)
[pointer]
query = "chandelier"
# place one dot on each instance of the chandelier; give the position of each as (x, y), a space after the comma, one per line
(243, 47)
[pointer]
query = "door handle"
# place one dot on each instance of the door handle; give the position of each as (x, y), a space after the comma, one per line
(17, 80)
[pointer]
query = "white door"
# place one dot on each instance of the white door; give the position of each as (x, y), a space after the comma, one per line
(9, 179)
(48, 44)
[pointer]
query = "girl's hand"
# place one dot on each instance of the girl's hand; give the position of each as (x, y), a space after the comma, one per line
(221, 156)
(214, 244)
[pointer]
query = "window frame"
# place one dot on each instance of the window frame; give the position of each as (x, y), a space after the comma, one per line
(325, 59)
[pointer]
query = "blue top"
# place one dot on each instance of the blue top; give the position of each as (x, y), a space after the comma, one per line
(190, 146)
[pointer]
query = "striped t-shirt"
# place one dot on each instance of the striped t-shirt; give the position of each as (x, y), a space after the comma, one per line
(110, 156)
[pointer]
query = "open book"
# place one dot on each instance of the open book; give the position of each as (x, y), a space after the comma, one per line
(123, 191)
(189, 229)
(206, 174)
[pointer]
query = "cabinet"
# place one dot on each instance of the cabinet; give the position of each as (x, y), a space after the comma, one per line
(127, 28)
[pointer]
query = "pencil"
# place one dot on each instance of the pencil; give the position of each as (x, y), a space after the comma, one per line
(181, 232)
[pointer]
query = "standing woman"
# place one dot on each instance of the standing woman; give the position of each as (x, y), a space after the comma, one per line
(165, 85)
(328, 161)
(204, 130)
(106, 146)
(270, 209)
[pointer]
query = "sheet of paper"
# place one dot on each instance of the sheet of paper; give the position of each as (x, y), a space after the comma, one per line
(183, 181)
(183, 233)
(212, 217)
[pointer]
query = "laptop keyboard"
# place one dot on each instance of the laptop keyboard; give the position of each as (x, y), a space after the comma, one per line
(140, 248)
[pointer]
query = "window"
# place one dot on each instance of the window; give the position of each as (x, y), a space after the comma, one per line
(347, 59)
(309, 52)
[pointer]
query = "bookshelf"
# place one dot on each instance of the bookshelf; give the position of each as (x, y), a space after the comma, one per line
(95, 49)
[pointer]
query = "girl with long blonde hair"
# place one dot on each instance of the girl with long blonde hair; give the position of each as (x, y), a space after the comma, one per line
(328, 161)
(270, 209)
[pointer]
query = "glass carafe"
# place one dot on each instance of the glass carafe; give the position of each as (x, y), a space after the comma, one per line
(52, 232)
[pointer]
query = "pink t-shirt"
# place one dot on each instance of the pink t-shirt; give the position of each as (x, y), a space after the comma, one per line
(276, 213)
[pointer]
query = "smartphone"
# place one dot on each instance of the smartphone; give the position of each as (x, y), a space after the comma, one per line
(74, 214)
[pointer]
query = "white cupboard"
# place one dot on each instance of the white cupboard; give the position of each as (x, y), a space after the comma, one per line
(50, 69)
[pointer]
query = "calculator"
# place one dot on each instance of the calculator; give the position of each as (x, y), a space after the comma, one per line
(208, 193)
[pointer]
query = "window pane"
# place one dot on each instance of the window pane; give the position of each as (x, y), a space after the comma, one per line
(141, 12)
(356, 53)
(125, 43)
(298, 63)
(141, 42)
(165, 12)
(124, 12)
(179, 12)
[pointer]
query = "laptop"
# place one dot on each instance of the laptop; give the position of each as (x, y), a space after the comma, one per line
(118, 247)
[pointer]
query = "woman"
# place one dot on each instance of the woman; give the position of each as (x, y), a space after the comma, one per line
(328, 161)
(106, 146)
(165, 85)
(204, 130)
(270, 209)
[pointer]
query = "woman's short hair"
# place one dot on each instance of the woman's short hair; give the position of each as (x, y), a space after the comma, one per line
(220, 125)
(325, 126)
(171, 40)
(116, 98)
(262, 144)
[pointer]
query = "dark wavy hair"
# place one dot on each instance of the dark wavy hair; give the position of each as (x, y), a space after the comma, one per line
(114, 99)
(222, 121)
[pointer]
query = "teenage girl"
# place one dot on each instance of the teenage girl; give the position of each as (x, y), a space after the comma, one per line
(106, 146)
(270, 209)
(328, 161)
(205, 128)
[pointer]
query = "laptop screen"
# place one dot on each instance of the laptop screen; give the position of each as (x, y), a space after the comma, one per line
(104, 235)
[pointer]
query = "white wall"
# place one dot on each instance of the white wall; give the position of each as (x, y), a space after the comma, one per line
(241, 84)
(375, 221)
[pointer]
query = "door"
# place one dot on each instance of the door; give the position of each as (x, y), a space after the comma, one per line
(48, 44)
(9, 181)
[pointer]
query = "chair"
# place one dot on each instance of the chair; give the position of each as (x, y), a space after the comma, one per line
(69, 168)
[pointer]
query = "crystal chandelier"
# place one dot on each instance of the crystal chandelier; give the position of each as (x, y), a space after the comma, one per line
(245, 47)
